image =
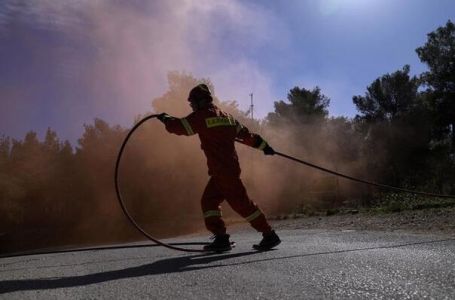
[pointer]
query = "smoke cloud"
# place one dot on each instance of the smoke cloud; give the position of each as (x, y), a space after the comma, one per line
(68, 62)
(77, 60)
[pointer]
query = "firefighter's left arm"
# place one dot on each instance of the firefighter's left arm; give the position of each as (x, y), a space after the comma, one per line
(180, 126)
(254, 140)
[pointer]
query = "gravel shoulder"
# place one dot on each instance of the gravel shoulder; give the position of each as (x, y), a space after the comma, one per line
(439, 221)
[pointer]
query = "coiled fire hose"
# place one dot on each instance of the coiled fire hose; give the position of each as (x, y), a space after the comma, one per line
(120, 199)
(147, 235)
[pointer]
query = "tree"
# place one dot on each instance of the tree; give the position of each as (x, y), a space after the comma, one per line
(439, 55)
(396, 125)
(27, 157)
(305, 106)
(174, 101)
(5, 146)
(51, 142)
(388, 98)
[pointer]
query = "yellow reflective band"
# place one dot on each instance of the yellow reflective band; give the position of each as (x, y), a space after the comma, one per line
(253, 215)
(239, 127)
(219, 121)
(187, 126)
(262, 145)
(212, 213)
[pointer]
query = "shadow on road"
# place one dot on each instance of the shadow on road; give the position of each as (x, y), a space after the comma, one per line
(169, 265)
(84, 249)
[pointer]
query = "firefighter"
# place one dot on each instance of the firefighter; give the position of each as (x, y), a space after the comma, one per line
(217, 132)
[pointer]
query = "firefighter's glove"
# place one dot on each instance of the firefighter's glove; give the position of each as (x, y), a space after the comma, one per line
(164, 117)
(268, 150)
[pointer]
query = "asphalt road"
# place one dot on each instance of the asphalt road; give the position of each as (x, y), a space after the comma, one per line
(308, 264)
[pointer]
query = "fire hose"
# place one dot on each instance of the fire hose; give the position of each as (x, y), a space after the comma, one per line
(384, 186)
(157, 241)
(120, 199)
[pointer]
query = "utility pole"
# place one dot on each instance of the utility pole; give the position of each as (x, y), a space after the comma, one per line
(251, 106)
(251, 160)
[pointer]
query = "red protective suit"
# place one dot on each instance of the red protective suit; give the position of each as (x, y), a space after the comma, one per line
(218, 131)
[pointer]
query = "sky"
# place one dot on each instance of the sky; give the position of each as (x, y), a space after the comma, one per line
(64, 63)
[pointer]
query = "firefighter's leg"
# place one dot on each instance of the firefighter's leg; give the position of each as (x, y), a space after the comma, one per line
(237, 197)
(210, 203)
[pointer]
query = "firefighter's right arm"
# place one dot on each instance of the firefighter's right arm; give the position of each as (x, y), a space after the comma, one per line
(179, 126)
(254, 140)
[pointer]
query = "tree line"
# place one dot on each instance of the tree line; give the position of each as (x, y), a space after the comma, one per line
(403, 134)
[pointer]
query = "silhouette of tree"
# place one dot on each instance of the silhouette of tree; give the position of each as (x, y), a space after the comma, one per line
(175, 100)
(389, 97)
(438, 54)
(5, 148)
(395, 121)
(51, 142)
(95, 156)
(305, 106)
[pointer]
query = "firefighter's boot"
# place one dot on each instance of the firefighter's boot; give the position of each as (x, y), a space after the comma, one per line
(269, 241)
(220, 243)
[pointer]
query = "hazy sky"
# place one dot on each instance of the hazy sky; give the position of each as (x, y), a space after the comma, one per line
(63, 63)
